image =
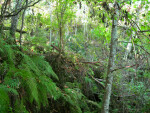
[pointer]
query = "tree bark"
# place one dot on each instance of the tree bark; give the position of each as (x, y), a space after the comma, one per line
(14, 22)
(111, 63)
(3, 10)
(129, 47)
(50, 35)
(61, 39)
(23, 15)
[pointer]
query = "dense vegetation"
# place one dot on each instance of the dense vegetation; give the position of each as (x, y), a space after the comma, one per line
(74, 56)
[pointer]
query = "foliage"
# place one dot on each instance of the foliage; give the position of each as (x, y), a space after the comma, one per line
(30, 76)
(36, 76)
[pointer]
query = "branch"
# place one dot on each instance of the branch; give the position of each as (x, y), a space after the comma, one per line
(144, 31)
(138, 28)
(144, 50)
(55, 48)
(93, 63)
(124, 67)
(121, 96)
(142, 47)
(17, 30)
(97, 81)
(19, 10)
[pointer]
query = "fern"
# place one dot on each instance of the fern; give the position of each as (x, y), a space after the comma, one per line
(44, 66)
(29, 83)
(43, 97)
(13, 83)
(32, 74)
(72, 97)
(1, 50)
(27, 62)
(4, 100)
(51, 87)
(9, 89)
(20, 107)
(32, 85)
(7, 52)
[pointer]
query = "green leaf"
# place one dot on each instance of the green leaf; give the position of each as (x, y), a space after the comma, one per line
(147, 6)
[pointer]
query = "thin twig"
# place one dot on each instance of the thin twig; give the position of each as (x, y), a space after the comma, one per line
(97, 81)
(123, 67)
(17, 30)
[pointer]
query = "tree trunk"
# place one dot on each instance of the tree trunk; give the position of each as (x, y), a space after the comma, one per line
(61, 39)
(14, 22)
(50, 35)
(23, 15)
(129, 47)
(76, 27)
(3, 11)
(111, 63)
(133, 35)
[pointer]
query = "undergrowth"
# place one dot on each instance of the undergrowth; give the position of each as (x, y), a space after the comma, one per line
(27, 85)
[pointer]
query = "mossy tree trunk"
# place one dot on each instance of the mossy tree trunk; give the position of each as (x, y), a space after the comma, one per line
(14, 22)
(111, 63)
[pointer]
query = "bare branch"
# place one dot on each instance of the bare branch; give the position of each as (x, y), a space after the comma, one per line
(123, 67)
(17, 30)
(97, 81)
(19, 10)
(144, 31)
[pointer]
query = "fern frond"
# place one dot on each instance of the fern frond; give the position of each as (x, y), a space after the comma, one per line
(8, 89)
(27, 62)
(12, 82)
(51, 87)
(44, 66)
(20, 107)
(43, 98)
(30, 85)
(4, 101)
(7, 52)
(1, 50)
(73, 97)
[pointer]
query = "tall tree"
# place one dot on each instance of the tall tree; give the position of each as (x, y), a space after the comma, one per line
(50, 34)
(63, 14)
(61, 8)
(111, 63)
(6, 12)
(23, 16)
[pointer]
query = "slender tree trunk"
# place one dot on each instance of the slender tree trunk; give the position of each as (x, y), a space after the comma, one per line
(76, 27)
(133, 35)
(111, 63)
(14, 22)
(84, 17)
(61, 39)
(3, 10)
(50, 35)
(61, 33)
(129, 47)
(20, 40)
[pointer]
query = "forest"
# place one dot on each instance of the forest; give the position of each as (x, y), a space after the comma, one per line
(74, 56)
